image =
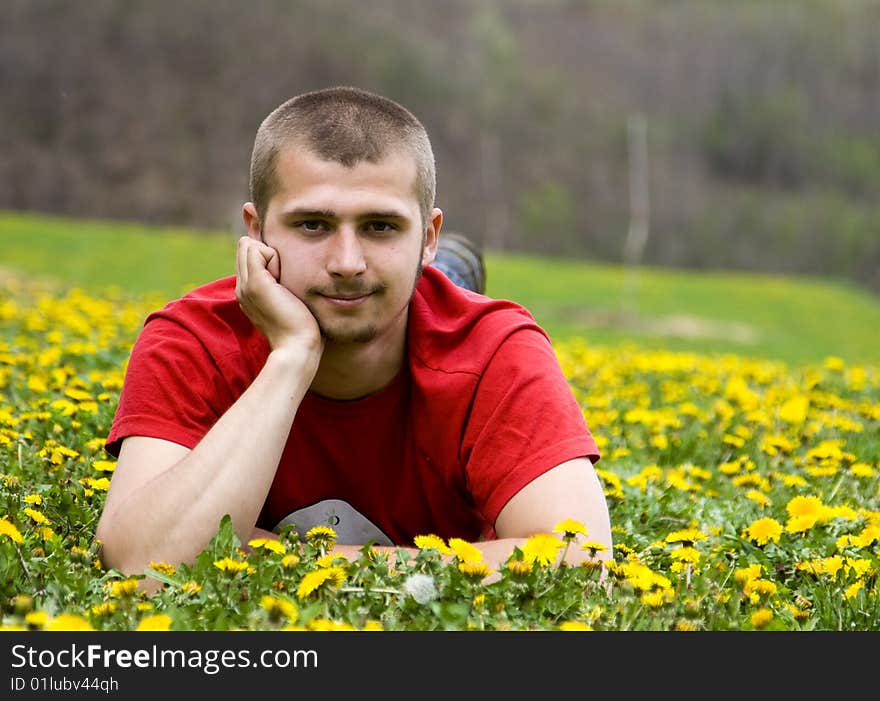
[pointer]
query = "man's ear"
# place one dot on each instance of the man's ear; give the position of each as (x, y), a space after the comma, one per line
(251, 221)
(432, 236)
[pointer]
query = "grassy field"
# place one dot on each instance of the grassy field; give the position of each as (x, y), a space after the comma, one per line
(744, 494)
(794, 319)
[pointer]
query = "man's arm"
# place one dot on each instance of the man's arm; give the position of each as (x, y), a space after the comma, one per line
(571, 490)
(165, 502)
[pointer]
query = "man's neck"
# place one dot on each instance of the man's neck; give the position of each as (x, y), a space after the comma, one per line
(352, 371)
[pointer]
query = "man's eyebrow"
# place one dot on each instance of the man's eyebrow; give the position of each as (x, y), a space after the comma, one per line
(329, 214)
(310, 213)
(383, 215)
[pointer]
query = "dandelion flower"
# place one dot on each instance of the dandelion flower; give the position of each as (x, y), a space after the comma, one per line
(36, 619)
(268, 544)
(653, 599)
(163, 567)
(420, 587)
(542, 548)
(574, 625)
(10, 531)
(122, 587)
(69, 621)
(191, 587)
(464, 551)
(37, 516)
(593, 547)
(570, 528)
(290, 561)
(519, 567)
(321, 536)
(158, 622)
(316, 578)
(763, 531)
(689, 535)
(277, 608)
(330, 558)
(474, 569)
(761, 618)
(427, 542)
(230, 565)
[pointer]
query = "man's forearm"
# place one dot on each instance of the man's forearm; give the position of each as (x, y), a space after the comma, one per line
(172, 517)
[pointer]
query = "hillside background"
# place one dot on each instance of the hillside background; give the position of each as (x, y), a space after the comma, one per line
(761, 118)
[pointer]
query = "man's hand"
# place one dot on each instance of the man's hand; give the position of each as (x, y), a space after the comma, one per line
(277, 313)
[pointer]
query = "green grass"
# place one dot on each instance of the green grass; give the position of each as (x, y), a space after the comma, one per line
(794, 319)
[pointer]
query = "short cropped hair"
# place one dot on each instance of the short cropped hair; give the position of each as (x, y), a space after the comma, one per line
(346, 125)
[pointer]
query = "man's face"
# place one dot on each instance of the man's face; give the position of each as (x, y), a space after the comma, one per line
(350, 241)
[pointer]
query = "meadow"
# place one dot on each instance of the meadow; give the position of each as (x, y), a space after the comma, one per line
(738, 418)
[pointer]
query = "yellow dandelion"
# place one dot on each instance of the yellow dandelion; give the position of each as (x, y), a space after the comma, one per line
(653, 599)
(163, 567)
(10, 531)
(688, 535)
(268, 544)
(760, 587)
(191, 587)
(761, 618)
(798, 614)
(36, 619)
(474, 569)
(852, 591)
(330, 558)
(465, 551)
(159, 621)
(33, 499)
(69, 621)
(431, 541)
(542, 548)
(800, 523)
(229, 565)
(574, 625)
(106, 608)
(691, 555)
(316, 578)
(327, 624)
(570, 528)
(278, 608)
(758, 497)
(519, 567)
(37, 516)
(290, 561)
(744, 574)
(122, 587)
(322, 536)
(593, 547)
(763, 531)
(372, 625)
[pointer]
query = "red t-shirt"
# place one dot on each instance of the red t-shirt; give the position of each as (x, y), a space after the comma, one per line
(480, 409)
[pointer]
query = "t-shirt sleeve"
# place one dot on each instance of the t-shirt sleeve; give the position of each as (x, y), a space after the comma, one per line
(524, 421)
(173, 388)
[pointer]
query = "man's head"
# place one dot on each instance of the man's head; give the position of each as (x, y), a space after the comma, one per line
(346, 125)
(342, 189)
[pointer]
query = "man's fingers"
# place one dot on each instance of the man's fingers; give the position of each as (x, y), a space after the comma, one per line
(259, 257)
(241, 262)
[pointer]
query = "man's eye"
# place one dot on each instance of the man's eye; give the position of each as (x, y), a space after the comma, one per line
(311, 225)
(380, 226)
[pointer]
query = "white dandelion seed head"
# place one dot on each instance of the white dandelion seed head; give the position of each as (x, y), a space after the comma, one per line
(420, 587)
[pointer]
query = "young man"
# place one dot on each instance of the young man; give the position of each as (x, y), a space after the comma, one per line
(340, 379)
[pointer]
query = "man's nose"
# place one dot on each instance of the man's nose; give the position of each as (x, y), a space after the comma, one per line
(346, 254)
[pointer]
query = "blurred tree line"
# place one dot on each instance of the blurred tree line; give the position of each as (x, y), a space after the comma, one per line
(762, 117)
